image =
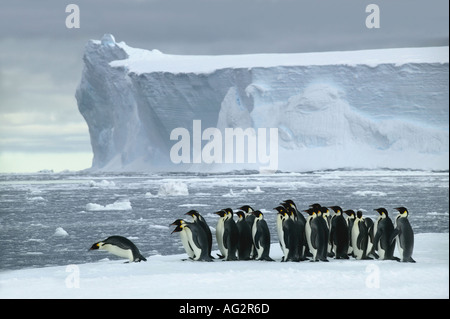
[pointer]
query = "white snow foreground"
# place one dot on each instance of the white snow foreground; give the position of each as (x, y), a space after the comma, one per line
(168, 277)
(357, 109)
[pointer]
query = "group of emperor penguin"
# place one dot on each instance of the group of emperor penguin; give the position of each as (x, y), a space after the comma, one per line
(244, 239)
(319, 236)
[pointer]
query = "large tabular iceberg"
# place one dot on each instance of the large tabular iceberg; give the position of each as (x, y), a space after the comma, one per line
(358, 109)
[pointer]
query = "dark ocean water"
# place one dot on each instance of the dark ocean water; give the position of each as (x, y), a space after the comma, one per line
(91, 207)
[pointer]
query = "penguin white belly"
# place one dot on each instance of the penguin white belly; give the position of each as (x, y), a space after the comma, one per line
(259, 249)
(197, 251)
(280, 232)
(124, 253)
(219, 236)
(400, 248)
(185, 242)
(350, 246)
(308, 237)
(369, 245)
(355, 233)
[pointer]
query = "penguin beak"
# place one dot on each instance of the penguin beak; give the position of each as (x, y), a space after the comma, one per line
(94, 247)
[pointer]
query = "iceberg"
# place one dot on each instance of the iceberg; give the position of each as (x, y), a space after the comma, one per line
(366, 109)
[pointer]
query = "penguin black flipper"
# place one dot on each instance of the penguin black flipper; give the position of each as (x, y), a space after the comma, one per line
(377, 238)
(226, 234)
(394, 235)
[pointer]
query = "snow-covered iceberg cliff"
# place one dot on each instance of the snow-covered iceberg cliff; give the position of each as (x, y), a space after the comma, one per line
(359, 109)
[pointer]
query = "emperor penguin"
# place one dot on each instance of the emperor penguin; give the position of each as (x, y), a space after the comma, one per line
(245, 243)
(194, 239)
(227, 234)
(288, 234)
(318, 236)
(312, 251)
(371, 236)
(184, 238)
(250, 219)
(383, 242)
(324, 212)
(405, 235)
(301, 221)
(291, 203)
(300, 237)
(281, 217)
(120, 246)
(261, 237)
(350, 220)
(360, 237)
(339, 233)
(197, 218)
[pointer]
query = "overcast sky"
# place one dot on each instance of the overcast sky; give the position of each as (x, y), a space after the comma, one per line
(41, 59)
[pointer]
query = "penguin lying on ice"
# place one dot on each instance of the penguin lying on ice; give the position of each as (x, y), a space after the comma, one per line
(120, 246)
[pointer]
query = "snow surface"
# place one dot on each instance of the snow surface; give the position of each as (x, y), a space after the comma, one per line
(143, 61)
(167, 277)
(358, 109)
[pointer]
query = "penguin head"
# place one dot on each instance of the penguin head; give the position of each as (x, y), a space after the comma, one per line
(222, 213)
(324, 211)
(290, 203)
(246, 208)
(403, 211)
(280, 209)
(336, 209)
(359, 214)
(350, 213)
(309, 211)
(258, 214)
(193, 213)
(229, 212)
(281, 212)
(292, 212)
(240, 214)
(177, 229)
(315, 205)
(382, 211)
(180, 224)
(98, 245)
